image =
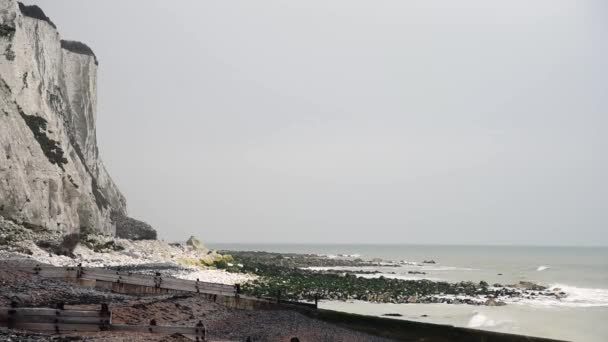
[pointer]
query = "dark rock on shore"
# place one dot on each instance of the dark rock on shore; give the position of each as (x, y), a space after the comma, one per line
(349, 272)
(393, 315)
(287, 275)
(267, 260)
(132, 229)
(527, 285)
(494, 302)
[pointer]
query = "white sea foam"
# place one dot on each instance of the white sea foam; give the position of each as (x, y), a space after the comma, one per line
(410, 263)
(340, 255)
(350, 255)
(575, 297)
(542, 268)
(447, 268)
(480, 320)
(583, 296)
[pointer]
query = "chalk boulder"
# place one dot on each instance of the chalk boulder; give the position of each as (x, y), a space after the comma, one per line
(195, 243)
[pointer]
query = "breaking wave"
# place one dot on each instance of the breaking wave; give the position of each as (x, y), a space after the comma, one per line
(447, 268)
(575, 297)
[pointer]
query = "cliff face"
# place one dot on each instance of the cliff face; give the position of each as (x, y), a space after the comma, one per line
(50, 171)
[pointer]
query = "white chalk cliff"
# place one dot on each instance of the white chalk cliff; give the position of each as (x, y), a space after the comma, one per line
(51, 174)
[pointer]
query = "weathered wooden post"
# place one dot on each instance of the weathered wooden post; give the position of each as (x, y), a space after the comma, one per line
(316, 300)
(201, 331)
(279, 296)
(106, 316)
(12, 312)
(79, 271)
(152, 324)
(58, 312)
(157, 280)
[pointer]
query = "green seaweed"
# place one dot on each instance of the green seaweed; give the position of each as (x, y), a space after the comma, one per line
(283, 276)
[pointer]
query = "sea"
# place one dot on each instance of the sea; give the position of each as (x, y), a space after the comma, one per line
(581, 272)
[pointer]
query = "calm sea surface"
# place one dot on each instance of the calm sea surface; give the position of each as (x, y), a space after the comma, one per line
(582, 272)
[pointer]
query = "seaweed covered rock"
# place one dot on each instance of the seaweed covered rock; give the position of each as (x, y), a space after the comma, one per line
(528, 285)
(132, 229)
(494, 302)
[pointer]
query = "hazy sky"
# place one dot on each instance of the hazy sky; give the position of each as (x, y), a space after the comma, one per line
(354, 121)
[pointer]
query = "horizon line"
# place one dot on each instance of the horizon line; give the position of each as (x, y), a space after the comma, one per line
(401, 244)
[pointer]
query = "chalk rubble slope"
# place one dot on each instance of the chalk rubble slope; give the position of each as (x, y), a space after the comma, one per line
(179, 260)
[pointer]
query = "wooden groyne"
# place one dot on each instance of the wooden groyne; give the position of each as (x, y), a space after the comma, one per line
(129, 278)
(65, 320)
(136, 283)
